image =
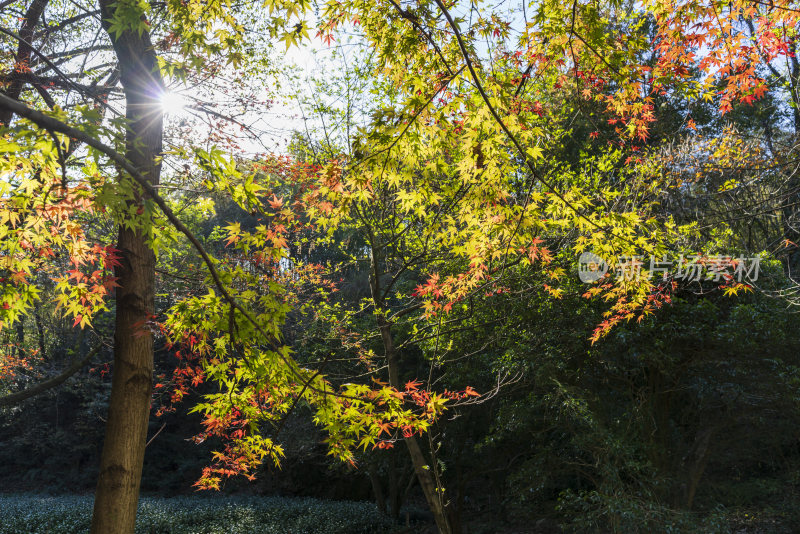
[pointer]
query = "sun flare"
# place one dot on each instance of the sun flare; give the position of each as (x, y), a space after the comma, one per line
(173, 102)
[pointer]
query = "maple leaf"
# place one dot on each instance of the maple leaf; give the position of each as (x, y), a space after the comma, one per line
(198, 379)
(413, 385)
(385, 427)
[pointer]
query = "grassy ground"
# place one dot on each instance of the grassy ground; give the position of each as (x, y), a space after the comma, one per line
(33, 514)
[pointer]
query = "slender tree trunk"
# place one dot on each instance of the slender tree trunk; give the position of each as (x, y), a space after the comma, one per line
(696, 461)
(20, 345)
(394, 486)
(23, 58)
(37, 319)
(377, 489)
(434, 495)
(401, 480)
(118, 484)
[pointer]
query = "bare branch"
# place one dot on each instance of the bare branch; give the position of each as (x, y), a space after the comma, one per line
(16, 398)
(53, 66)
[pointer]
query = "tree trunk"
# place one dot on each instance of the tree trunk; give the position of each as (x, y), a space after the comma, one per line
(696, 461)
(394, 486)
(23, 57)
(37, 319)
(434, 495)
(377, 489)
(20, 345)
(117, 493)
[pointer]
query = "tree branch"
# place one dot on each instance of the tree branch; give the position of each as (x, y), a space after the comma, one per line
(521, 151)
(16, 398)
(52, 124)
(53, 66)
(77, 18)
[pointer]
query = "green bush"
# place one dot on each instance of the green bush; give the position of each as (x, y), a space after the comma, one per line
(29, 514)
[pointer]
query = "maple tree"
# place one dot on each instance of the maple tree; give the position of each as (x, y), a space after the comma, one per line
(134, 47)
(384, 175)
(456, 179)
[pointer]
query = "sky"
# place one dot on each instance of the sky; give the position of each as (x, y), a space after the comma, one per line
(270, 126)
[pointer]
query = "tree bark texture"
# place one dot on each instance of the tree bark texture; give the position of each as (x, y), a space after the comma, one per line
(117, 494)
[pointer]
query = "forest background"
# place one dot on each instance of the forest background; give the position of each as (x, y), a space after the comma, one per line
(383, 301)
